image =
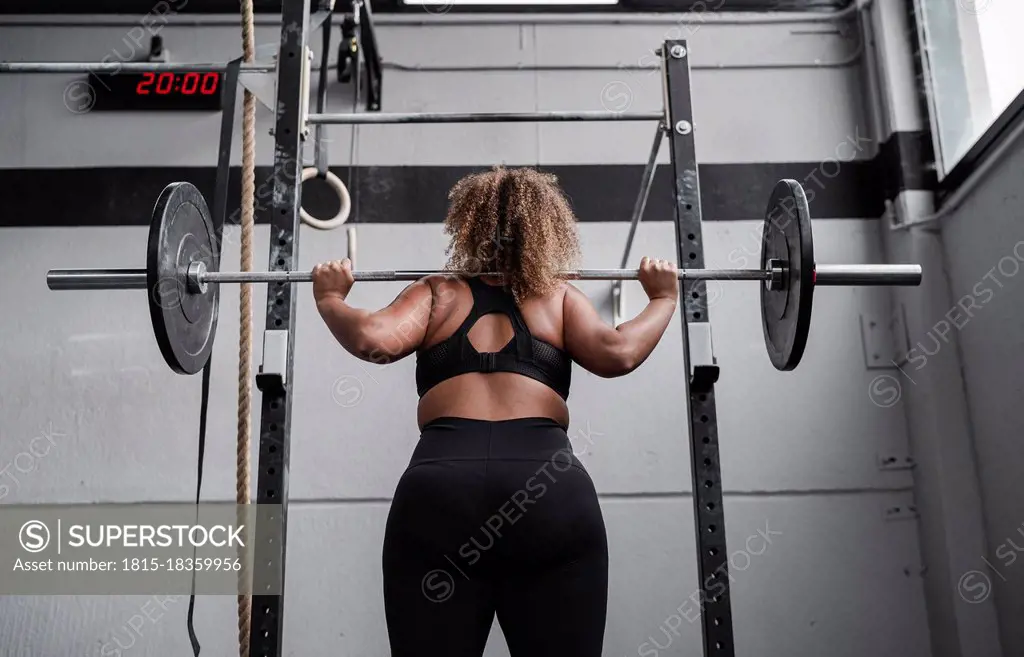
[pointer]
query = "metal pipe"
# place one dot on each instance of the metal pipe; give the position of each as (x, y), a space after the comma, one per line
(125, 67)
(868, 275)
(479, 117)
(645, 190)
(127, 279)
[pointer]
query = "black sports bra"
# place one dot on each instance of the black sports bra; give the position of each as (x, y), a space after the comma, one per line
(524, 354)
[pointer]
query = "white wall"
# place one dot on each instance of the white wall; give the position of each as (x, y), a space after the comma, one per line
(983, 244)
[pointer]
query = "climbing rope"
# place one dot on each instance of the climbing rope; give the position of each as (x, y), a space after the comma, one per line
(248, 206)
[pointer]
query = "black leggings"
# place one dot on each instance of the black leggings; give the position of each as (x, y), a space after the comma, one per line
(495, 518)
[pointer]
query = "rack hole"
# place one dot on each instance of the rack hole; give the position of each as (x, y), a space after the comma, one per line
(271, 471)
(708, 484)
(691, 236)
(703, 398)
(704, 418)
(270, 494)
(280, 262)
(279, 302)
(277, 322)
(272, 449)
(695, 295)
(719, 645)
(710, 506)
(273, 426)
(713, 552)
(705, 440)
(707, 463)
(281, 241)
(689, 206)
(696, 315)
(711, 529)
(718, 621)
(693, 256)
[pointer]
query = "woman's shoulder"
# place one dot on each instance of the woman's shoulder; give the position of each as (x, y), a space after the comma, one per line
(552, 299)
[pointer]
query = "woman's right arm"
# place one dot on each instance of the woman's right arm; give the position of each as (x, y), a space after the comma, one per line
(608, 351)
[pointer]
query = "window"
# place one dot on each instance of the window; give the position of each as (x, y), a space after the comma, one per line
(973, 60)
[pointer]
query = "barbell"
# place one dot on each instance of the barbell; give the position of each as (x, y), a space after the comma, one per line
(183, 277)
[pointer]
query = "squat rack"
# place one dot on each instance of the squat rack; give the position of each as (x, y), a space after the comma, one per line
(275, 425)
(290, 130)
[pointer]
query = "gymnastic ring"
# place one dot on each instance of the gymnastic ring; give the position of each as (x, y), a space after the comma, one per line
(339, 188)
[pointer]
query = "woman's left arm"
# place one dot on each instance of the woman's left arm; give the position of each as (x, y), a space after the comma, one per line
(381, 337)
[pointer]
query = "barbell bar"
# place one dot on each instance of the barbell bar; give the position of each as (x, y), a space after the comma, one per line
(135, 279)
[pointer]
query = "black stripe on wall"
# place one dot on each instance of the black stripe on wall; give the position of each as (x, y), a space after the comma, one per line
(416, 194)
(906, 161)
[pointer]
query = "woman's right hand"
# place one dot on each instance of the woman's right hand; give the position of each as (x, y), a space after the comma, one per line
(659, 279)
(332, 279)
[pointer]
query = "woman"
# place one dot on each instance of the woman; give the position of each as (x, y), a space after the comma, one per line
(495, 515)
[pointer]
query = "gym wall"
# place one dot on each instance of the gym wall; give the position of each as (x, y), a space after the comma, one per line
(821, 563)
(984, 246)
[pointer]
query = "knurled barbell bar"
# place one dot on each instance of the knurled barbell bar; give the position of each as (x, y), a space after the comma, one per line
(197, 277)
(183, 278)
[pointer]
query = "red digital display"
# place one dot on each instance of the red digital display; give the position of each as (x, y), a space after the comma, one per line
(186, 84)
(166, 91)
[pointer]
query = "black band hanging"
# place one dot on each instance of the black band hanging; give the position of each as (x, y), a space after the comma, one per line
(220, 206)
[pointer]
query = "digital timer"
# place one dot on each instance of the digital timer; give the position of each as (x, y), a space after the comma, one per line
(167, 91)
(186, 84)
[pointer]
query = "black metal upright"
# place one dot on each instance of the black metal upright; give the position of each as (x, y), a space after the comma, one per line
(275, 420)
(709, 515)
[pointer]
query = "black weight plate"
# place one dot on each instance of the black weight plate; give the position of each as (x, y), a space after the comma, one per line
(184, 321)
(786, 312)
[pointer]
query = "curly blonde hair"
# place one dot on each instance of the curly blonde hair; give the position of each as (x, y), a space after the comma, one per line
(516, 222)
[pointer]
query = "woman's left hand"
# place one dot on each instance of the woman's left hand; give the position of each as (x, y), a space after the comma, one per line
(332, 279)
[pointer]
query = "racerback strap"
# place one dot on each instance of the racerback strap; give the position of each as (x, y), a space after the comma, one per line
(487, 300)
